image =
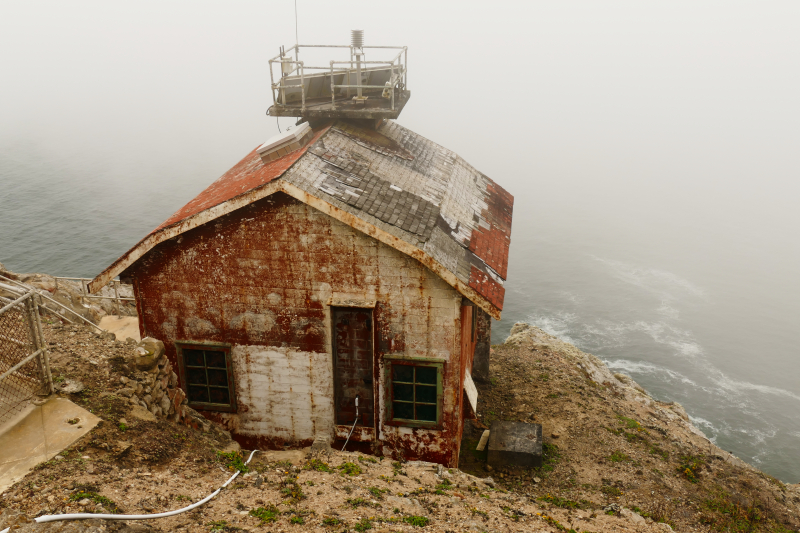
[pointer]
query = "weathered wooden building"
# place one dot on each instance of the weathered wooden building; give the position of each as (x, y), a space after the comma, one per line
(347, 257)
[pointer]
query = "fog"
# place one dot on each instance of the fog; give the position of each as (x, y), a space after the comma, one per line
(642, 141)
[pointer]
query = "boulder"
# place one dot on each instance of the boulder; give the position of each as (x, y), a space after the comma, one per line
(147, 353)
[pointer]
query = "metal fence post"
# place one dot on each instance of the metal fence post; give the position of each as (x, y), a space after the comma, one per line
(45, 356)
(33, 333)
(115, 282)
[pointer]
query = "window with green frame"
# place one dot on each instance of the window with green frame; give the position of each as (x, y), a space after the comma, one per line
(414, 392)
(206, 373)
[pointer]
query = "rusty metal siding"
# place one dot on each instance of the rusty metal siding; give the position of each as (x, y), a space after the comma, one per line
(480, 361)
(263, 279)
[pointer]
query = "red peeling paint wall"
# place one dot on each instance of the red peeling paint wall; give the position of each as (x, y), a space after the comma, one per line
(264, 279)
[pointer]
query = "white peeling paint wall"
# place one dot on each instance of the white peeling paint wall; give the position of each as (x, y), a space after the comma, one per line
(283, 393)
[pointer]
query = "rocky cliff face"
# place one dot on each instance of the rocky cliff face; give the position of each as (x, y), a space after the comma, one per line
(608, 443)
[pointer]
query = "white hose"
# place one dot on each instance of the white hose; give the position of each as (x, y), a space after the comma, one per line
(348, 436)
(88, 516)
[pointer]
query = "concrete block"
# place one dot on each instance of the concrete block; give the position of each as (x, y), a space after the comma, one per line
(515, 444)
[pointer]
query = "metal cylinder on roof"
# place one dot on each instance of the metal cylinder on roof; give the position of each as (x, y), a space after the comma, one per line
(357, 38)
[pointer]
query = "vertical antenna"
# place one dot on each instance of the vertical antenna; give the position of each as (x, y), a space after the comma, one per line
(296, 40)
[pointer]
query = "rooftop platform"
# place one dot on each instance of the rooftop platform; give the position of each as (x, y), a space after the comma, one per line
(366, 82)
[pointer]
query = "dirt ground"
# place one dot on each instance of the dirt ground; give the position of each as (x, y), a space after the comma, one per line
(613, 462)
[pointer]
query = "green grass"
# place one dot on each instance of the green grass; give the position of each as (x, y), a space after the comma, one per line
(377, 492)
(318, 466)
(630, 423)
(556, 524)
(331, 521)
(550, 457)
(560, 502)
(618, 457)
(363, 525)
(233, 460)
(476, 511)
(222, 525)
(690, 466)
(657, 450)
(357, 502)
(611, 491)
(723, 514)
(109, 505)
(266, 514)
(291, 490)
(397, 468)
(416, 521)
(351, 469)
(363, 459)
(297, 520)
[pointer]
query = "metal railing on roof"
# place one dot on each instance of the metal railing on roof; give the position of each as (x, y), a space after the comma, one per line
(396, 68)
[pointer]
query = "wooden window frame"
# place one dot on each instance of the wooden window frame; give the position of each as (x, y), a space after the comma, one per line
(389, 361)
(210, 346)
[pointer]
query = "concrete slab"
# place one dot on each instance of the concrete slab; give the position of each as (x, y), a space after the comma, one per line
(121, 326)
(38, 434)
(296, 457)
(515, 444)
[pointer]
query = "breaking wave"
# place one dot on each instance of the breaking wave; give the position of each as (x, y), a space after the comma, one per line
(651, 279)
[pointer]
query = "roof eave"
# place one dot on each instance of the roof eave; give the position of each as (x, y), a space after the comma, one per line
(279, 185)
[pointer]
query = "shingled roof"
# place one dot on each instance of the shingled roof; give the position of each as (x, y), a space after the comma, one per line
(390, 183)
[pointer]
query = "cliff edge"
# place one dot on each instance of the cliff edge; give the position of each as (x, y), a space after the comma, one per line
(609, 445)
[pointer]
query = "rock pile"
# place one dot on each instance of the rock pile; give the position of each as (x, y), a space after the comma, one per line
(152, 385)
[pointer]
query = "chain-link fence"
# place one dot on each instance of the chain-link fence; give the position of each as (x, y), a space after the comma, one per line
(24, 363)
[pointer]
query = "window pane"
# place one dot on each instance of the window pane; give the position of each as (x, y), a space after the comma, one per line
(426, 374)
(426, 393)
(426, 412)
(403, 373)
(403, 410)
(196, 376)
(217, 377)
(215, 359)
(403, 392)
(193, 357)
(198, 394)
(219, 395)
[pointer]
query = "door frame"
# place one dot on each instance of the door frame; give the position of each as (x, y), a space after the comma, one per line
(360, 433)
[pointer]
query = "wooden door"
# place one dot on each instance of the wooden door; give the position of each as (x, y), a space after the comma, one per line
(353, 365)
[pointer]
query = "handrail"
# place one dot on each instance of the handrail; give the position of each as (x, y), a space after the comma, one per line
(41, 293)
(289, 67)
